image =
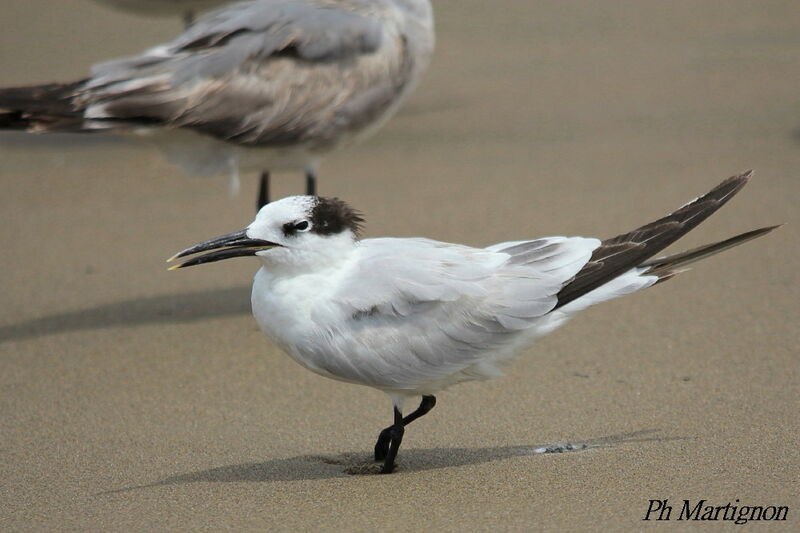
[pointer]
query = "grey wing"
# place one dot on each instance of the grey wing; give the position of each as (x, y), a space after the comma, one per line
(439, 314)
(313, 30)
(262, 72)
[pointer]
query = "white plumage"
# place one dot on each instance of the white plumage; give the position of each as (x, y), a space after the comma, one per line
(413, 316)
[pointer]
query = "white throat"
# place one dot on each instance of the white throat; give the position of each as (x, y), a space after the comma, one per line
(315, 255)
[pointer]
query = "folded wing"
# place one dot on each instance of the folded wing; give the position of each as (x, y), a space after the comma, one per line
(423, 311)
(276, 72)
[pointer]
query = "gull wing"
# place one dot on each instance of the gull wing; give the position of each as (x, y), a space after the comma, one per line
(263, 72)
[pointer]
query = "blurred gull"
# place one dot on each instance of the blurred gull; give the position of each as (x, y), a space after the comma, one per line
(411, 317)
(264, 85)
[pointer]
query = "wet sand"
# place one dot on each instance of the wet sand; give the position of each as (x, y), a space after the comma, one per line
(135, 399)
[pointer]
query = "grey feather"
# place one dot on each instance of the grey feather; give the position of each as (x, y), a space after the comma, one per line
(451, 303)
(222, 40)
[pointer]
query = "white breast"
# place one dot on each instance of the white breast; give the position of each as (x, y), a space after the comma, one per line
(296, 313)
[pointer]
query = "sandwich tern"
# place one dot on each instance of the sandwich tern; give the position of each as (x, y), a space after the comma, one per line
(411, 317)
(266, 85)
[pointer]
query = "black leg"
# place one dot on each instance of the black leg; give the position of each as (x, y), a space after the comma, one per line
(263, 191)
(188, 18)
(311, 183)
(395, 438)
(382, 446)
(427, 403)
(385, 437)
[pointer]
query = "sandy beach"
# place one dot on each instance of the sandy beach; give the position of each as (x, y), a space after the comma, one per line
(136, 399)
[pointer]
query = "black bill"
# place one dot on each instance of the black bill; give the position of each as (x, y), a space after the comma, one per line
(236, 244)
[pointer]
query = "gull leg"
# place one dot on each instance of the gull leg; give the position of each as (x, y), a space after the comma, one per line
(263, 191)
(188, 18)
(385, 437)
(311, 183)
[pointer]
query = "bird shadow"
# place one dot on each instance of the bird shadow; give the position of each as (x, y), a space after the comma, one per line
(310, 467)
(173, 308)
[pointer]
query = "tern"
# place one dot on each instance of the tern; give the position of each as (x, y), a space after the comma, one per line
(265, 85)
(413, 316)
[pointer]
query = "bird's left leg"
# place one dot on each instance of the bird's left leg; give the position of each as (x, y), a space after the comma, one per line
(384, 439)
(311, 182)
(263, 191)
(188, 18)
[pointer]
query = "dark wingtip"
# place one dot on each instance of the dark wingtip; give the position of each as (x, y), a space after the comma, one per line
(734, 183)
(627, 250)
(744, 177)
(666, 267)
(763, 231)
(756, 233)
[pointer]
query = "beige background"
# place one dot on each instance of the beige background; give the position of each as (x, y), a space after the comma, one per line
(134, 399)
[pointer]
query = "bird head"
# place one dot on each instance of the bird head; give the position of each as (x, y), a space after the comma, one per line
(299, 233)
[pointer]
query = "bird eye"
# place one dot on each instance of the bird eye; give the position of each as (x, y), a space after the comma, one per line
(303, 225)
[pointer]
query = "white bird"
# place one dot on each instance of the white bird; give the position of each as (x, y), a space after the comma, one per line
(411, 317)
(260, 84)
(158, 8)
